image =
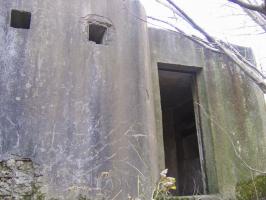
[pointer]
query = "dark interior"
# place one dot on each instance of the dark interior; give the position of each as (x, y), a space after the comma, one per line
(96, 33)
(179, 132)
(20, 19)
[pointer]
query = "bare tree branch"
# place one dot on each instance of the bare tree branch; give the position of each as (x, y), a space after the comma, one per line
(165, 22)
(191, 21)
(195, 39)
(258, 18)
(258, 8)
(244, 65)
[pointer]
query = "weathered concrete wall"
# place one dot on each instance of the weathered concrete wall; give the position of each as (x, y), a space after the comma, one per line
(232, 111)
(89, 115)
(81, 111)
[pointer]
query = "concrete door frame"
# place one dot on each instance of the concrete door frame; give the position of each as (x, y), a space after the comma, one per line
(196, 102)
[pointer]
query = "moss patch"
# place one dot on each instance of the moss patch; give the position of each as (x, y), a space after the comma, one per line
(179, 198)
(37, 194)
(252, 189)
(173, 198)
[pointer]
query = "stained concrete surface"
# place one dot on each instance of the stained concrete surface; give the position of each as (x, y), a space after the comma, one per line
(78, 109)
(232, 112)
(90, 116)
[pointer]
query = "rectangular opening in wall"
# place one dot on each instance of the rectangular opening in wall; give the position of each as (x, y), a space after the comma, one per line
(181, 144)
(97, 33)
(20, 19)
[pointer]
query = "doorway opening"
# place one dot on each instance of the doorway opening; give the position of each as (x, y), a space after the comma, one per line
(181, 146)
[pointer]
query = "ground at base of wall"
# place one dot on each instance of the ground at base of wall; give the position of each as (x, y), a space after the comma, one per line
(254, 189)
(18, 179)
(196, 197)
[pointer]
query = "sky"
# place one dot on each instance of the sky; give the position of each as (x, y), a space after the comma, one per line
(219, 18)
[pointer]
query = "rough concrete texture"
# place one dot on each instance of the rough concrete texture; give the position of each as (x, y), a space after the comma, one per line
(232, 111)
(89, 115)
(195, 197)
(19, 179)
(79, 110)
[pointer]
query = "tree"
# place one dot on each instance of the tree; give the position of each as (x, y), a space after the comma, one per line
(248, 68)
(251, 6)
(255, 11)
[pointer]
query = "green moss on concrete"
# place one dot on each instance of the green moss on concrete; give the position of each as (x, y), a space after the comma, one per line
(37, 194)
(26, 198)
(83, 197)
(196, 197)
(252, 189)
(174, 198)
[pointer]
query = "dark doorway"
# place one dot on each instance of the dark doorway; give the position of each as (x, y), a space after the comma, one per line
(179, 132)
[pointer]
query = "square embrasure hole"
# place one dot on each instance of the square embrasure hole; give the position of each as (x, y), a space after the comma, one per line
(20, 19)
(97, 33)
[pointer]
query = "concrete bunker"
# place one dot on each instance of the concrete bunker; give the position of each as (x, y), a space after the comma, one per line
(181, 145)
(94, 109)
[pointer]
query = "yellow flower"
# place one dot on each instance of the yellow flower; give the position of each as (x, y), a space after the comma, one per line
(173, 187)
